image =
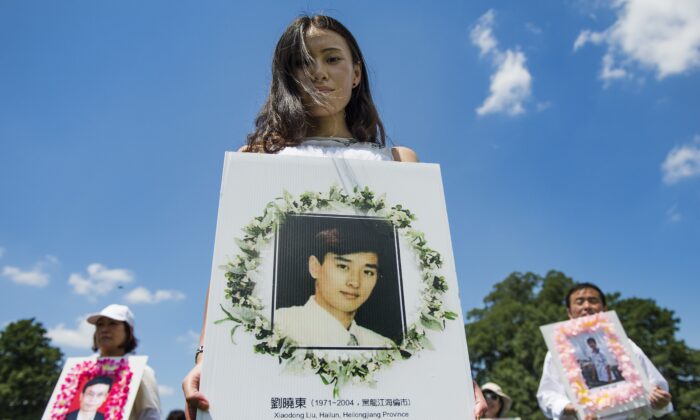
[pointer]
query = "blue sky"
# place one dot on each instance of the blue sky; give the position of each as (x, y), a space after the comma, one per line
(567, 132)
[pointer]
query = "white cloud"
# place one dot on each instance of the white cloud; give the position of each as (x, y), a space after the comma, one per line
(511, 83)
(34, 277)
(143, 295)
(663, 36)
(510, 86)
(674, 216)
(482, 34)
(682, 162)
(99, 281)
(190, 339)
(533, 28)
(79, 337)
(587, 36)
(609, 71)
(165, 390)
(541, 106)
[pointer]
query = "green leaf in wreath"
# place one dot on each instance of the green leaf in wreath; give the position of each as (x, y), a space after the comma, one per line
(450, 315)
(233, 333)
(431, 323)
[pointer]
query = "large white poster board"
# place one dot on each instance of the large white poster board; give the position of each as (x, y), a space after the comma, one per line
(106, 384)
(333, 293)
(600, 373)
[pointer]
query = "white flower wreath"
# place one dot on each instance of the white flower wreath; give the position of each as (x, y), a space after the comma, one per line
(247, 309)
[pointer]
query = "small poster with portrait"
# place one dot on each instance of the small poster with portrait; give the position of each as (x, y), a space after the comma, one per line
(596, 364)
(333, 293)
(101, 388)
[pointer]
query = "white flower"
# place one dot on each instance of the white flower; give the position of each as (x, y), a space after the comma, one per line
(308, 364)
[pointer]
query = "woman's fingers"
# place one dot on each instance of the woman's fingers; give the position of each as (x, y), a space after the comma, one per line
(480, 405)
(193, 398)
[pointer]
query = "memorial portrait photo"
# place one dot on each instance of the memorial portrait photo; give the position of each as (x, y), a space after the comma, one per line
(599, 366)
(332, 280)
(91, 398)
(337, 282)
(96, 388)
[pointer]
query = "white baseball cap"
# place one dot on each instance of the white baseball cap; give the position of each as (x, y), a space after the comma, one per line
(115, 312)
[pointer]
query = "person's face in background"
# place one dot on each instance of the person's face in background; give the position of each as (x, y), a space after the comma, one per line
(344, 282)
(585, 302)
(110, 336)
(494, 404)
(93, 396)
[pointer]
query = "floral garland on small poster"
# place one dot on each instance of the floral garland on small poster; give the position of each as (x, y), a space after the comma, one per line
(247, 310)
(594, 401)
(117, 369)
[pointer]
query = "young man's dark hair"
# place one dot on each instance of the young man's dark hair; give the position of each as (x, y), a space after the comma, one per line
(580, 286)
(106, 380)
(365, 236)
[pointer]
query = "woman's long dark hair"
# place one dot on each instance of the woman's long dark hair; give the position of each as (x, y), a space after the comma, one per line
(283, 121)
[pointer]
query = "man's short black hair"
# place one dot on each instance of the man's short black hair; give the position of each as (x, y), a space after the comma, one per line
(580, 286)
(364, 236)
(106, 380)
(591, 339)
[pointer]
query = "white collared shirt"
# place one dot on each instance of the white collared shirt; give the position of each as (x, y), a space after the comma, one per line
(312, 326)
(552, 397)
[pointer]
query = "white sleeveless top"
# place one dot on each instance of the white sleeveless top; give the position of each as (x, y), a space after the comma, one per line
(338, 148)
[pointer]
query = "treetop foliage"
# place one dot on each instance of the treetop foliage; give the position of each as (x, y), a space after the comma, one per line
(29, 369)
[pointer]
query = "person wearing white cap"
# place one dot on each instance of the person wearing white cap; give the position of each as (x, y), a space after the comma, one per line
(114, 337)
(498, 401)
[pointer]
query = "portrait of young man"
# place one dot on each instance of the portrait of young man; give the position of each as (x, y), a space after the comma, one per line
(349, 269)
(93, 395)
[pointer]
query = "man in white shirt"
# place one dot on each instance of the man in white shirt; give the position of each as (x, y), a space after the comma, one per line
(345, 268)
(602, 368)
(587, 299)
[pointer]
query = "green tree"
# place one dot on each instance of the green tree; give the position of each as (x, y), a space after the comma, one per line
(29, 369)
(506, 346)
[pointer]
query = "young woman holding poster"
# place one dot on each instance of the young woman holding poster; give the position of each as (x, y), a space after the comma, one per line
(319, 104)
(114, 337)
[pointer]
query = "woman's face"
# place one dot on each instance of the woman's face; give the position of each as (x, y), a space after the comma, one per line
(110, 336)
(494, 404)
(331, 76)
